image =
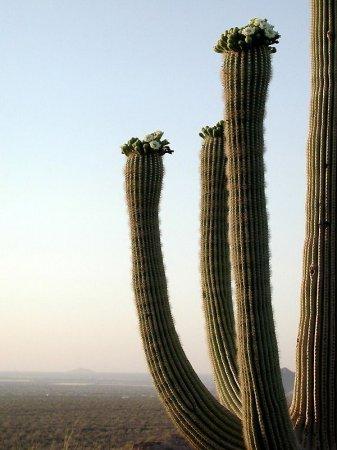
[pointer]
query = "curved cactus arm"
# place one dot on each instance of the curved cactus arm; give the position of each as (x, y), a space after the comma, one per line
(314, 406)
(266, 422)
(202, 420)
(215, 267)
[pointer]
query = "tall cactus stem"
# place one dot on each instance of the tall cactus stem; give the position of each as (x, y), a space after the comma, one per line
(215, 268)
(314, 406)
(202, 420)
(266, 423)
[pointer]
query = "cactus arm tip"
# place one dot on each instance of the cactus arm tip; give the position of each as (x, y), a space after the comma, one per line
(257, 33)
(151, 144)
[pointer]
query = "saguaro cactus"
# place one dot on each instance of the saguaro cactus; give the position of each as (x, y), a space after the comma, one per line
(314, 407)
(252, 410)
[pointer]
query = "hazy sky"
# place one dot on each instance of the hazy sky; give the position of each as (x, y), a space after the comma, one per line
(80, 77)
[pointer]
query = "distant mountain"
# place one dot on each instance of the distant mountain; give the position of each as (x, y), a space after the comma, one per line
(81, 372)
(288, 378)
(289, 397)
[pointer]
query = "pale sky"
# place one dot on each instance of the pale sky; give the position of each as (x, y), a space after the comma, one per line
(77, 80)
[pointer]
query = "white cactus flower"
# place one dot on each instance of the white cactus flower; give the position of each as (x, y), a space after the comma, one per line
(248, 31)
(270, 33)
(264, 24)
(158, 134)
(155, 145)
(149, 137)
(256, 22)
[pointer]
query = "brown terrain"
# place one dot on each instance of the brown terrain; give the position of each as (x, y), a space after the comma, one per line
(82, 410)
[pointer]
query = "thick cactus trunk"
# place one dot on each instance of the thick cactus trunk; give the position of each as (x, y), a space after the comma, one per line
(266, 422)
(215, 268)
(314, 407)
(203, 421)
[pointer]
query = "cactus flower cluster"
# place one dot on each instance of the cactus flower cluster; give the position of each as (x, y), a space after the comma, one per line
(151, 143)
(215, 131)
(256, 33)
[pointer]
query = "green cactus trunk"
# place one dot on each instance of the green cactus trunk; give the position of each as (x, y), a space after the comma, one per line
(216, 273)
(202, 420)
(314, 407)
(266, 423)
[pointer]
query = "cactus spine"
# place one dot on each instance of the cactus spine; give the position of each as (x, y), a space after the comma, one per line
(314, 407)
(215, 267)
(266, 422)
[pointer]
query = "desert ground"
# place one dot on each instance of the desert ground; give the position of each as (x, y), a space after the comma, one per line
(85, 410)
